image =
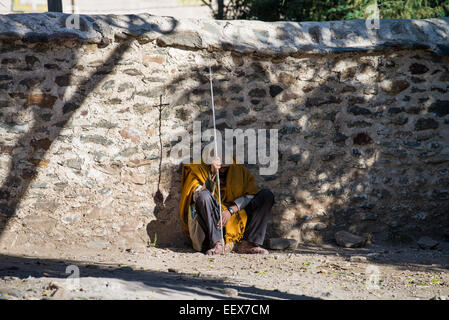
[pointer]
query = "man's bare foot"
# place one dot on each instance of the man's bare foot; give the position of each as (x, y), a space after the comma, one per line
(216, 249)
(249, 247)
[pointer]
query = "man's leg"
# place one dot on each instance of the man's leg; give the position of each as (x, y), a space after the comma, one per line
(208, 216)
(258, 210)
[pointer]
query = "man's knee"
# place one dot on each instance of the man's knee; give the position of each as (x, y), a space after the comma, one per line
(267, 195)
(203, 198)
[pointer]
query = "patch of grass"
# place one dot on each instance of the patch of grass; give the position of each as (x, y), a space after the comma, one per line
(154, 243)
(399, 238)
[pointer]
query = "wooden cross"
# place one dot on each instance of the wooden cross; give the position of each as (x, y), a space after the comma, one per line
(159, 198)
(160, 105)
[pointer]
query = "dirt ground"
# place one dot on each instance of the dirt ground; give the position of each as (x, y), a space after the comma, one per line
(309, 272)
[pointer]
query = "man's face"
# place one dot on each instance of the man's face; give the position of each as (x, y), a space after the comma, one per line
(223, 169)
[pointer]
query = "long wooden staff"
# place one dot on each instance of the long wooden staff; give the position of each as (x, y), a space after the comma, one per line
(216, 155)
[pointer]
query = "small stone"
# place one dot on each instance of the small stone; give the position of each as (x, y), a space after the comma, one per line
(289, 129)
(134, 178)
(114, 101)
(108, 85)
(231, 292)
(317, 101)
(31, 82)
(395, 87)
(158, 60)
(31, 60)
(257, 93)
(71, 219)
(440, 108)
(358, 259)
(400, 120)
(132, 72)
(63, 81)
(349, 240)
(125, 86)
(395, 110)
(128, 152)
(427, 243)
(98, 244)
(275, 90)
(295, 157)
(235, 88)
(281, 243)
(74, 163)
(348, 89)
(331, 156)
(339, 137)
(4, 77)
(189, 39)
(129, 133)
(97, 139)
(373, 255)
(417, 68)
(239, 111)
(41, 100)
(426, 123)
(357, 111)
(359, 124)
(362, 139)
(398, 153)
(317, 226)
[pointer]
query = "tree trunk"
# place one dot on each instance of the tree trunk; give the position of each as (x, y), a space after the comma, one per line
(220, 11)
(54, 5)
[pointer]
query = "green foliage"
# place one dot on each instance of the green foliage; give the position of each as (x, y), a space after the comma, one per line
(154, 243)
(330, 10)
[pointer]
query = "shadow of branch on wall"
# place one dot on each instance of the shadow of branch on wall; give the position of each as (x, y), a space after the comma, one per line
(45, 124)
(349, 147)
(346, 137)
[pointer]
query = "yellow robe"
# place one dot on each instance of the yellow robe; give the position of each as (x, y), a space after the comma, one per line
(239, 182)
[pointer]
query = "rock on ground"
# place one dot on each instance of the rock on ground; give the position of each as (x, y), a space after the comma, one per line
(427, 243)
(349, 240)
(281, 243)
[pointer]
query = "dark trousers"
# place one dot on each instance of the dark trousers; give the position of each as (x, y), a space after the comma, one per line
(257, 210)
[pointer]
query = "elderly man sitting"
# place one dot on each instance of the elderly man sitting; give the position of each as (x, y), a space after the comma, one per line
(245, 209)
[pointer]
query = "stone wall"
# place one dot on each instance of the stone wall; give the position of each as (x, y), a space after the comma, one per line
(85, 147)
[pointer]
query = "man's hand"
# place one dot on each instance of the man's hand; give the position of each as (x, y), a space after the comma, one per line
(226, 215)
(215, 165)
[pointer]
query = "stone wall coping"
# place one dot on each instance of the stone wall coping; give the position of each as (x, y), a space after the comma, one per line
(246, 37)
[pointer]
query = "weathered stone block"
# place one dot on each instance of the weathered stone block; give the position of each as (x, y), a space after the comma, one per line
(425, 124)
(42, 100)
(349, 240)
(281, 243)
(427, 243)
(440, 108)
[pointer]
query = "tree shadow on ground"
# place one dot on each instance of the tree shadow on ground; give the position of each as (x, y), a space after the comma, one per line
(160, 282)
(402, 257)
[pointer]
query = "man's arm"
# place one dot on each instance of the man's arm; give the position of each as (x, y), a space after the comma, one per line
(243, 201)
(209, 184)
